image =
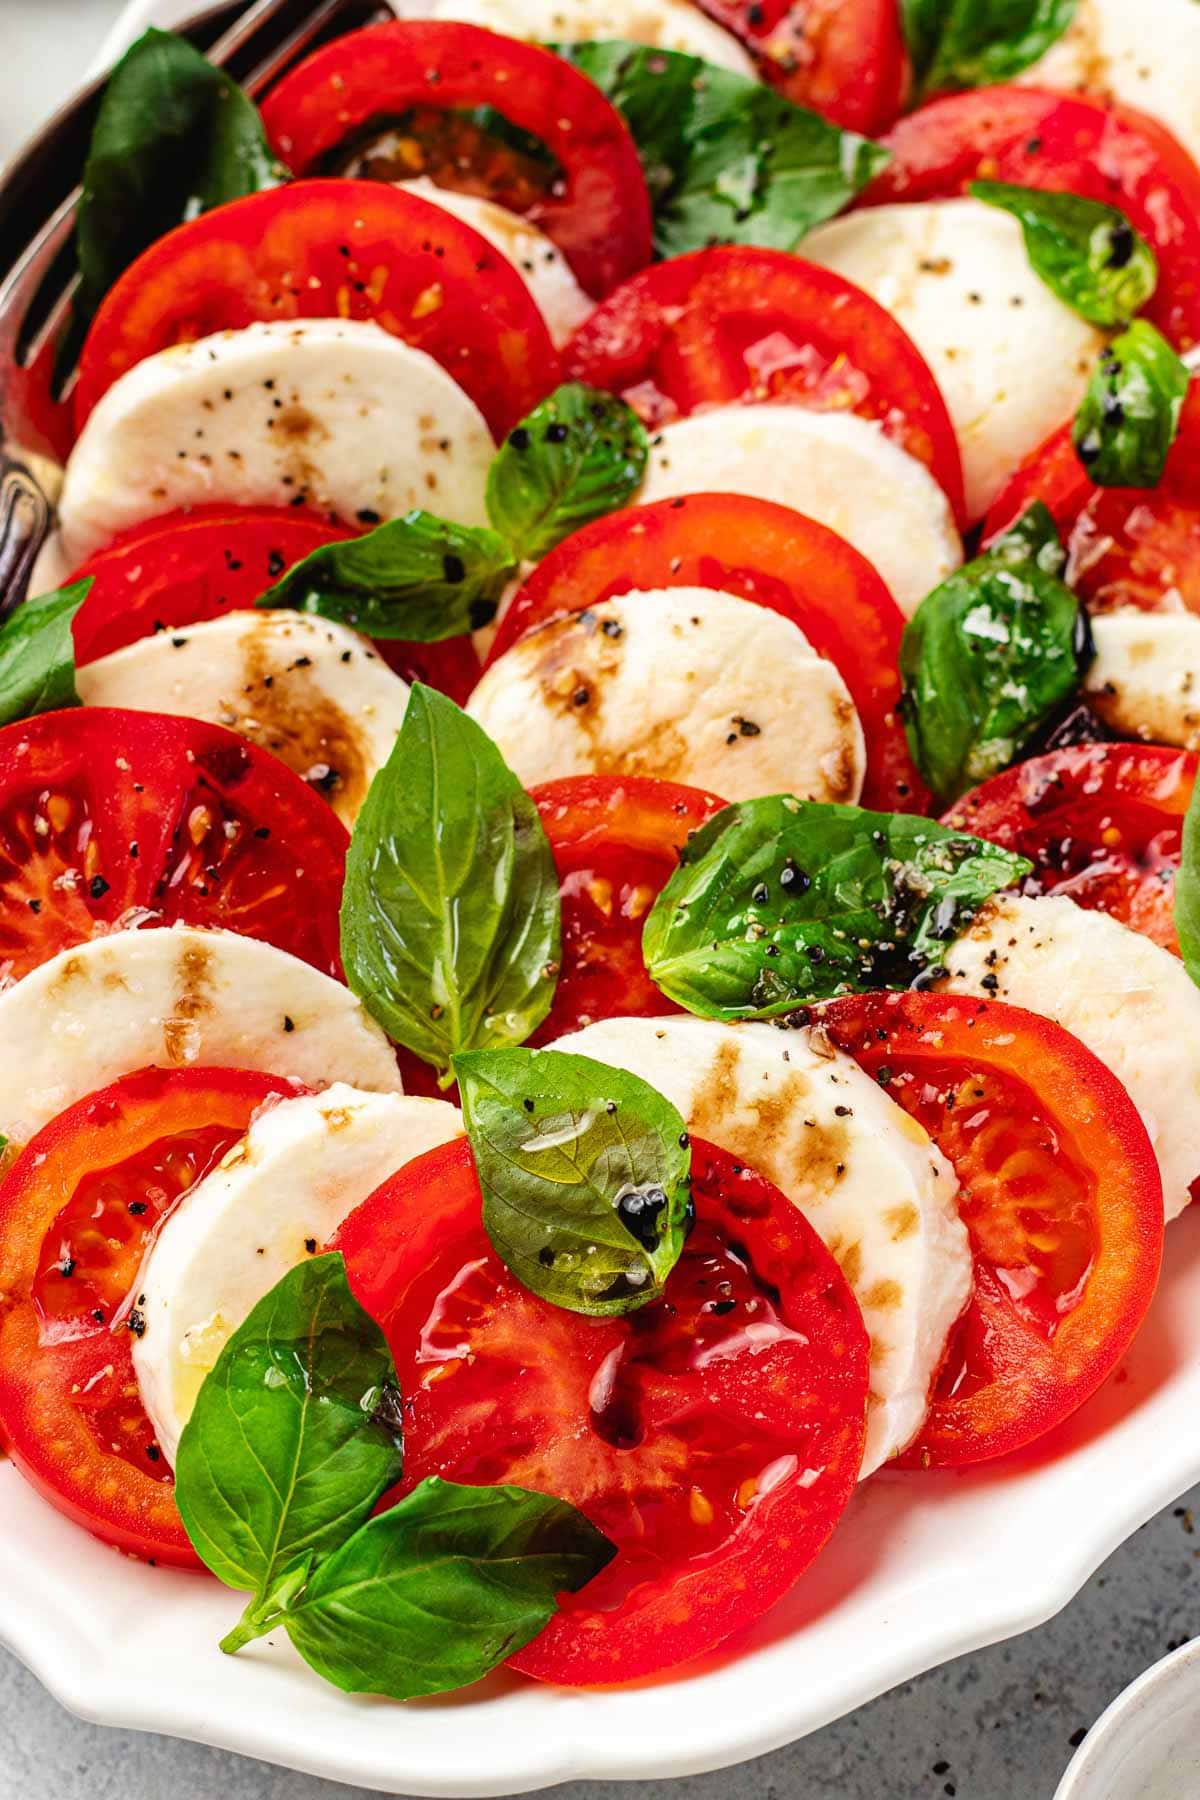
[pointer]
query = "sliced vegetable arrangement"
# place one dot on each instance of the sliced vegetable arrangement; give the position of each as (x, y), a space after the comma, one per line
(511, 1104)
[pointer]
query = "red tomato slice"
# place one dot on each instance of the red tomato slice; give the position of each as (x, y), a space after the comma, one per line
(758, 551)
(597, 210)
(1068, 145)
(716, 1436)
(735, 323)
(79, 1209)
(110, 818)
(1125, 546)
(184, 567)
(615, 841)
(1101, 823)
(841, 58)
(326, 250)
(1060, 1193)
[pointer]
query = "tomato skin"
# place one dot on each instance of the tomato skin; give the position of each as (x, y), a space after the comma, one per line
(1062, 143)
(758, 551)
(687, 333)
(659, 1444)
(50, 1423)
(1060, 1193)
(599, 215)
(184, 567)
(1101, 823)
(279, 255)
(841, 58)
(80, 789)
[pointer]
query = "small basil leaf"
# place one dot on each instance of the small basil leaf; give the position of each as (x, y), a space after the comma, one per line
(435, 1592)
(578, 455)
(727, 160)
(37, 654)
(973, 43)
(1187, 889)
(293, 1437)
(450, 911)
(1086, 253)
(988, 659)
(1032, 538)
(173, 138)
(419, 578)
(584, 1171)
(778, 901)
(1128, 418)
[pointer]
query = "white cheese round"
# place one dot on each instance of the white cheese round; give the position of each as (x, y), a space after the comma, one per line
(1145, 680)
(662, 24)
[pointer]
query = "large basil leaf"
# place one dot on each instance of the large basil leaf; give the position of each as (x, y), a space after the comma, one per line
(294, 1436)
(450, 912)
(727, 160)
(37, 653)
(973, 43)
(1187, 889)
(1032, 538)
(779, 901)
(419, 578)
(989, 659)
(578, 455)
(173, 138)
(1128, 418)
(435, 1592)
(1086, 253)
(584, 1171)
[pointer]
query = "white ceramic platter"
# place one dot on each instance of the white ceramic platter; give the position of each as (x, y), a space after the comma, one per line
(923, 1568)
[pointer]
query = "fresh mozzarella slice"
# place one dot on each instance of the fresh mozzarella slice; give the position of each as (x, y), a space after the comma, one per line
(839, 469)
(335, 413)
(1010, 358)
(1130, 1001)
(1145, 680)
(314, 693)
(174, 997)
(277, 1197)
(537, 259)
(1145, 55)
(50, 566)
(876, 1188)
(663, 24)
(689, 684)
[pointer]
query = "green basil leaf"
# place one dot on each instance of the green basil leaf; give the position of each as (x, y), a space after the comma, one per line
(37, 653)
(419, 578)
(294, 1436)
(1128, 418)
(1086, 253)
(450, 911)
(1187, 889)
(727, 160)
(578, 455)
(584, 1171)
(173, 138)
(988, 659)
(779, 901)
(1032, 538)
(973, 43)
(435, 1592)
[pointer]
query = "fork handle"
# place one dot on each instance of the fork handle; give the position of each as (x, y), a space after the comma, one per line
(24, 526)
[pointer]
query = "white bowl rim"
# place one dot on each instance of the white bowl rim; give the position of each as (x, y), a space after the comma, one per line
(1088, 1762)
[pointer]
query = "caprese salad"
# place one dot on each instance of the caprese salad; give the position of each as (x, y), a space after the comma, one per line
(599, 880)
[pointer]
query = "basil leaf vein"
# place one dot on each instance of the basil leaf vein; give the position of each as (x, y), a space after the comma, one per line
(584, 1171)
(1128, 418)
(1187, 889)
(37, 653)
(419, 578)
(450, 919)
(1085, 252)
(579, 454)
(974, 43)
(778, 901)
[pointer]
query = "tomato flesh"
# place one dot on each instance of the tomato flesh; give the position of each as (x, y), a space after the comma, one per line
(79, 1209)
(841, 58)
(758, 551)
(733, 324)
(1059, 1191)
(111, 818)
(689, 1431)
(1101, 823)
